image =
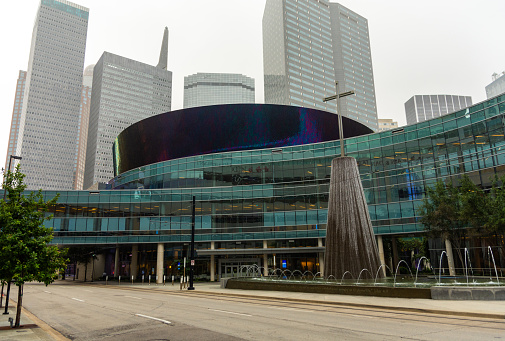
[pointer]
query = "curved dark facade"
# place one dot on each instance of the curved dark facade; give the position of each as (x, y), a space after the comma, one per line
(223, 128)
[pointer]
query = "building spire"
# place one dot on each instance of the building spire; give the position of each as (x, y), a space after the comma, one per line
(163, 63)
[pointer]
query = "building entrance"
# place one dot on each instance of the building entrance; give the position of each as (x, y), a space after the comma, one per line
(232, 267)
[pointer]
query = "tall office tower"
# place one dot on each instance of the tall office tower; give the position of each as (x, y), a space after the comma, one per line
(80, 150)
(387, 123)
(16, 115)
(420, 108)
(497, 86)
(217, 88)
(124, 92)
(310, 44)
(50, 117)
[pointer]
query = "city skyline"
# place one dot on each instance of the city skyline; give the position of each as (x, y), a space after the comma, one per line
(401, 68)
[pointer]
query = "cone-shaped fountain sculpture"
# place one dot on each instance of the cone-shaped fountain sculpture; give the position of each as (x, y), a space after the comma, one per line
(350, 241)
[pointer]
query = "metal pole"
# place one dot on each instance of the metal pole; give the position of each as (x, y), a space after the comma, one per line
(192, 256)
(340, 126)
(9, 284)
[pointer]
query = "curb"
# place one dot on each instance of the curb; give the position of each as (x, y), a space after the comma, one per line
(342, 304)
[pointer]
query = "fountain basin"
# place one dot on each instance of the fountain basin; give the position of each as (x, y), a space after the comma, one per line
(321, 288)
(468, 293)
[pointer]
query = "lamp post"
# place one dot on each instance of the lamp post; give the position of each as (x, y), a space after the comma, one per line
(337, 96)
(9, 284)
(192, 255)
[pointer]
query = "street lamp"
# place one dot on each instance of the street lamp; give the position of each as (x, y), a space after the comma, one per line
(192, 256)
(9, 284)
(337, 96)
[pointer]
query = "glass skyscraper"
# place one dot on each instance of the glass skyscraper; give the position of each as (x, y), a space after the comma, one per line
(16, 115)
(49, 121)
(125, 91)
(308, 45)
(420, 108)
(217, 88)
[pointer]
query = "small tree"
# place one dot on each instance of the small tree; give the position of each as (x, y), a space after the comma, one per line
(24, 251)
(494, 219)
(441, 212)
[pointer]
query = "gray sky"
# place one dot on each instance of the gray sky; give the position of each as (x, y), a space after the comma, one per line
(418, 47)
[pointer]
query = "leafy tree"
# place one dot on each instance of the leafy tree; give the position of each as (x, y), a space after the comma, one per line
(493, 221)
(83, 255)
(442, 214)
(24, 251)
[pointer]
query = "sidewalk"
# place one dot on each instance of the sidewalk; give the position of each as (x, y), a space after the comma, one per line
(31, 328)
(482, 309)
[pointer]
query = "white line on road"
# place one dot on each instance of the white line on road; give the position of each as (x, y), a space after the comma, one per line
(77, 299)
(47, 291)
(88, 290)
(137, 298)
(153, 318)
(369, 317)
(229, 312)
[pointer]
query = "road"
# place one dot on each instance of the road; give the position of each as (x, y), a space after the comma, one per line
(93, 312)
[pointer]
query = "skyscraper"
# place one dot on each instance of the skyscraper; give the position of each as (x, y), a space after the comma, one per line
(310, 44)
(125, 91)
(497, 86)
(49, 122)
(217, 88)
(80, 150)
(16, 115)
(420, 108)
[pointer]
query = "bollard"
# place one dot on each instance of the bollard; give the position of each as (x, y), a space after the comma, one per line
(142, 279)
(173, 278)
(149, 279)
(106, 279)
(163, 280)
(119, 280)
(181, 283)
(132, 279)
(156, 279)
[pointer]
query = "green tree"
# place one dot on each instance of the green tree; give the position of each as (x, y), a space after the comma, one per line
(493, 221)
(24, 251)
(441, 213)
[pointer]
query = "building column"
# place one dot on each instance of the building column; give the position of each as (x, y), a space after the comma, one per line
(265, 259)
(159, 263)
(380, 245)
(321, 257)
(450, 257)
(116, 263)
(212, 264)
(395, 254)
(134, 262)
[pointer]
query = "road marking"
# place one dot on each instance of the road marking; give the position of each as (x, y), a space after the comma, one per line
(77, 299)
(229, 312)
(154, 318)
(47, 291)
(299, 310)
(88, 290)
(137, 298)
(369, 317)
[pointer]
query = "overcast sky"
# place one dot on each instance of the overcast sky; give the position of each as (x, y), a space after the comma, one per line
(418, 47)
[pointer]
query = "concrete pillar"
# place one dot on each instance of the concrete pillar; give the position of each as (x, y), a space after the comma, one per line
(212, 264)
(116, 263)
(265, 259)
(134, 262)
(321, 256)
(159, 263)
(450, 257)
(380, 245)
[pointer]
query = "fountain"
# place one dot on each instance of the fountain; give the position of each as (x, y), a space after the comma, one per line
(350, 241)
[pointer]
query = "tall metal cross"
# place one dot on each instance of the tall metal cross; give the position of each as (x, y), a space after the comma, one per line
(337, 96)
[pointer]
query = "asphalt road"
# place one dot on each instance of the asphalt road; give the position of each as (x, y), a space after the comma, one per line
(90, 312)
